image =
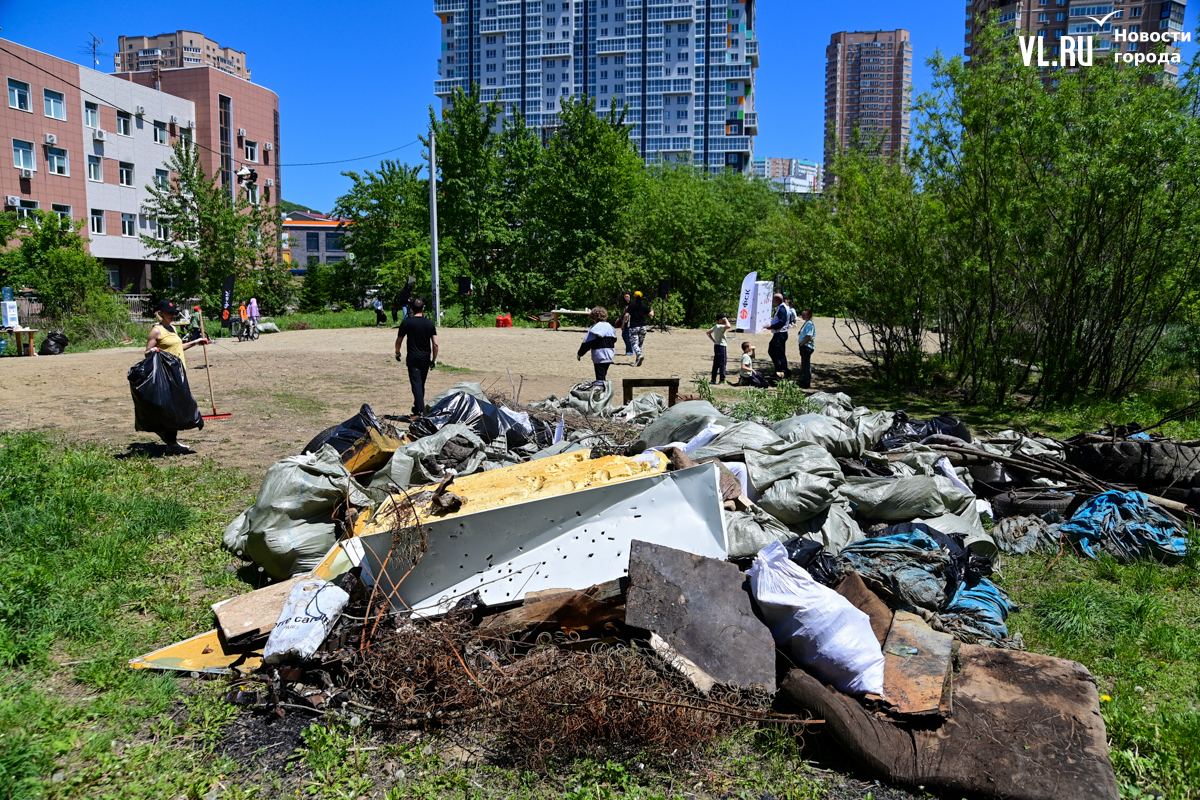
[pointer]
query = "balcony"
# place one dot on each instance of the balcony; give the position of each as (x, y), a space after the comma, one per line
(752, 52)
(144, 53)
(441, 6)
(751, 123)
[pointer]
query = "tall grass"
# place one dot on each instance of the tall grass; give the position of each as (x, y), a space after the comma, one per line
(1135, 626)
(100, 559)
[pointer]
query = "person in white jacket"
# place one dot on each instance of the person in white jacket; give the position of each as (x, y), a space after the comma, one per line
(601, 340)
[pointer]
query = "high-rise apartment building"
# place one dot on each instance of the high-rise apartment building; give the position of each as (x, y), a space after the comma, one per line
(177, 50)
(868, 82)
(1125, 23)
(684, 68)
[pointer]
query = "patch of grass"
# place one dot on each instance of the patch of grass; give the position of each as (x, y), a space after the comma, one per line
(299, 403)
(325, 320)
(787, 399)
(447, 368)
(1135, 627)
(101, 560)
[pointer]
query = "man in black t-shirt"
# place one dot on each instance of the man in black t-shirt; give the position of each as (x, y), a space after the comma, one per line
(422, 350)
(636, 314)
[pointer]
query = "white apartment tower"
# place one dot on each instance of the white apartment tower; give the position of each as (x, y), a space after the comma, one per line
(684, 68)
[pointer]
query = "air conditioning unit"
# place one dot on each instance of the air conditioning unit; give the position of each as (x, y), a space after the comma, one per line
(174, 120)
(27, 174)
(242, 133)
(99, 135)
(12, 201)
(270, 181)
(191, 123)
(140, 111)
(51, 138)
(268, 146)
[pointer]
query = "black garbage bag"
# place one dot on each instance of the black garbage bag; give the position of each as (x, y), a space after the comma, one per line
(342, 437)
(54, 345)
(487, 421)
(908, 431)
(162, 398)
(812, 556)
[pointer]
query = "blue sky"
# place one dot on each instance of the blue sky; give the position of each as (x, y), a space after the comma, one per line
(357, 79)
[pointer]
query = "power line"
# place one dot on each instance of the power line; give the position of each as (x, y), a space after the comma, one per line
(193, 141)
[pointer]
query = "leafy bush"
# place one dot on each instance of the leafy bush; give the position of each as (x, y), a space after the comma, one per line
(765, 405)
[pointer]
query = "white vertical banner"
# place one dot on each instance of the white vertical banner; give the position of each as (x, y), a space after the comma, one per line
(746, 302)
(762, 312)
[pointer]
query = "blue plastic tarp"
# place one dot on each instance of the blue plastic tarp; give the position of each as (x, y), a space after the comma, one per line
(1126, 526)
(980, 609)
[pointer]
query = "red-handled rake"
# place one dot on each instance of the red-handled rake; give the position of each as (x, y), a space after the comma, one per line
(208, 372)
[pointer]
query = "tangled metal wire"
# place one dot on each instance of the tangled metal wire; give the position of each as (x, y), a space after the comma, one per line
(556, 700)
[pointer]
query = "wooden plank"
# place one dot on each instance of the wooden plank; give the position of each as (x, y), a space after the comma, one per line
(916, 666)
(252, 615)
(203, 653)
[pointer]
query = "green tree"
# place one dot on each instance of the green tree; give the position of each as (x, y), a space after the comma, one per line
(484, 169)
(1072, 218)
(52, 258)
(204, 234)
(585, 180)
(697, 230)
(388, 230)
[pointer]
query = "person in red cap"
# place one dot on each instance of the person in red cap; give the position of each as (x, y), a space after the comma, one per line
(164, 337)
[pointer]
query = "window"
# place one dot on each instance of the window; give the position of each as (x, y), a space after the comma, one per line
(128, 225)
(95, 169)
(1133, 12)
(23, 155)
(63, 211)
(603, 75)
(251, 151)
(334, 259)
(56, 159)
(491, 67)
(160, 133)
(91, 115)
(491, 81)
(55, 107)
(333, 241)
(96, 225)
(124, 124)
(313, 239)
(313, 261)
(491, 53)
(114, 278)
(126, 173)
(18, 95)
(1060, 16)
(162, 178)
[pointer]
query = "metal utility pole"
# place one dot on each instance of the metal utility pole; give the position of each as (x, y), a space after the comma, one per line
(433, 228)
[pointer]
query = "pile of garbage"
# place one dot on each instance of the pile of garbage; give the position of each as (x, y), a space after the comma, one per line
(577, 577)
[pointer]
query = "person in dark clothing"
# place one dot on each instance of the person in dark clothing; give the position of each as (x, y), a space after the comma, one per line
(636, 314)
(717, 335)
(625, 300)
(403, 303)
(777, 349)
(422, 350)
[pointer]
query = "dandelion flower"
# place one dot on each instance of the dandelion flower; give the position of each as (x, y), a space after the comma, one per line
(1105, 698)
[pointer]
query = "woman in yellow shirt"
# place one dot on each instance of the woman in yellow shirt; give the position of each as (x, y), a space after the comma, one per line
(163, 337)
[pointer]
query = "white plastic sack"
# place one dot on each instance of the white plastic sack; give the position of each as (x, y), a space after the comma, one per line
(815, 625)
(310, 611)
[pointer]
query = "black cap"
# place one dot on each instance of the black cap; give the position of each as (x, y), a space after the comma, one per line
(167, 306)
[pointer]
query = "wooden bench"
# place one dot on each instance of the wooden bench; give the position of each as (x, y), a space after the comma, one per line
(671, 384)
(560, 312)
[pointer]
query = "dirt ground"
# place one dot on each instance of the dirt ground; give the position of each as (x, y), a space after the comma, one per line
(285, 388)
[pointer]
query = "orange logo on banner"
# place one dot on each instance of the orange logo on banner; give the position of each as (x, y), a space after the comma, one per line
(745, 313)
